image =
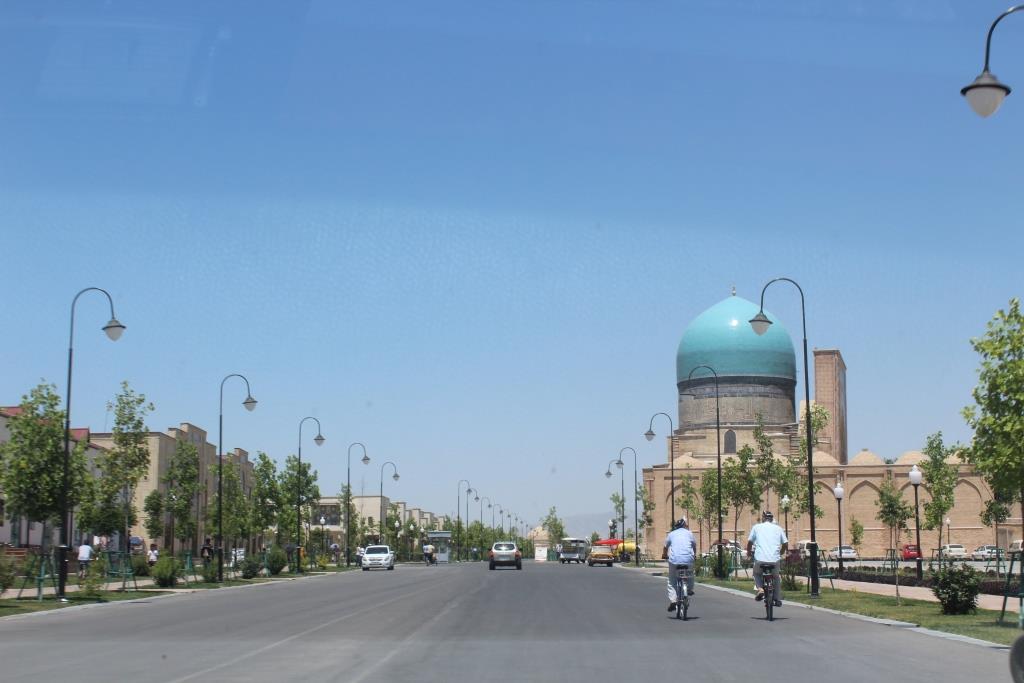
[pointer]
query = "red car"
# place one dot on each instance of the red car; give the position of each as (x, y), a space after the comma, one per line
(910, 551)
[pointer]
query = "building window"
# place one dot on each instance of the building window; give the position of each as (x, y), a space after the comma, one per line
(730, 441)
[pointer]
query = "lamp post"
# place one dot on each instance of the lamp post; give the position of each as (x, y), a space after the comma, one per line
(649, 435)
(838, 491)
(760, 323)
(348, 502)
(986, 93)
(323, 543)
(318, 440)
(501, 519)
(458, 524)
(477, 497)
(949, 539)
(482, 511)
(113, 329)
(383, 512)
(250, 404)
(915, 481)
(636, 513)
(718, 442)
(785, 511)
(622, 494)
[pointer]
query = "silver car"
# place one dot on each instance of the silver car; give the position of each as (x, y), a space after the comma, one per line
(378, 556)
(505, 554)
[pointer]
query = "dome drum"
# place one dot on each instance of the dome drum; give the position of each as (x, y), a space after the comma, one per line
(742, 400)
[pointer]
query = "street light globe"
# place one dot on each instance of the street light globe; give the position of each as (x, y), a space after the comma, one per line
(985, 94)
(619, 464)
(114, 329)
(760, 323)
(323, 520)
(608, 474)
(366, 459)
(319, 440)
(838, 491)
(249, 403)
(649, 435)
(915, 476)
(395, 476)
(948, 522)
(785, 502)
(397, 524)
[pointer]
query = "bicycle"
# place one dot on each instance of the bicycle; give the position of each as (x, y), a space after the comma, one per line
(768, 582)
(682, 594)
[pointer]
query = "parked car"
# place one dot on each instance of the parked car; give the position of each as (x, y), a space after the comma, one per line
(504, 554)
(955, 551)
(987, 552)
(728, 549)
(1015, 547)
(848, 553)
(600, 554)
(804, 548)
(378, 556)
(910, 552)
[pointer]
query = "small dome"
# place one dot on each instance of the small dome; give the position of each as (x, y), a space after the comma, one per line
(911, 458)
(722, 337)
(866, 457)
(823, 459)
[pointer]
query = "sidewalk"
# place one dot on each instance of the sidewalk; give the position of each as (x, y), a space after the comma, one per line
(30, 589)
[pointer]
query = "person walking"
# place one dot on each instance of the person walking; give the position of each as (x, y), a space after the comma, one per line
(85, 554)
(206, 553)
(153, 555)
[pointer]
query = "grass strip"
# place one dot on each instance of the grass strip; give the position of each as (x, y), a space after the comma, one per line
(27, 605)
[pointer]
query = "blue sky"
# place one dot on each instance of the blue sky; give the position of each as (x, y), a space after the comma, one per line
(470, 234)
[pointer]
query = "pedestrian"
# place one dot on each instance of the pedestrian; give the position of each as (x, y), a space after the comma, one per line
(152, 555)
(206, 553)
(84, 558)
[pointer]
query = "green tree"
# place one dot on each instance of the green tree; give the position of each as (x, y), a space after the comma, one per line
(647, 506)
(997, 511)
(32, 460)
(940, 480)
(766, 468)
(182, 481)
(555, 527)
(740, 487)
(266, 494)
(893, 513)
(235, 519)
(153, 506)
(594, 536)
(819, 420)
(856, 533)
(619, 505)
(349, 511)
(295, 485)
(997, 418)
(124, 465)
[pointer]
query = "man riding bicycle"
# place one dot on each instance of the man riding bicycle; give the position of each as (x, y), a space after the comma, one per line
(680, 549)
(767, 543)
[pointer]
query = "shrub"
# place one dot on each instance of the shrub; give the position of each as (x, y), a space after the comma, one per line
(790, 568)
(165, 572)
(8, 573)
(957, 589)
(94, 580)
(276, 560)
(140, 566)
(250, 568)
(321, 562)
(209, 571)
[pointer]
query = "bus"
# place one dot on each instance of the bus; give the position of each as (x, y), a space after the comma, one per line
(573, 550)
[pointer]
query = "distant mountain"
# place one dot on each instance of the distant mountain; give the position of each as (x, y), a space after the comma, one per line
(582, 525)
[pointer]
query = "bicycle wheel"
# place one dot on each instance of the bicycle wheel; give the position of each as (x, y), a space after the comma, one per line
(686, 607)
(769, 600)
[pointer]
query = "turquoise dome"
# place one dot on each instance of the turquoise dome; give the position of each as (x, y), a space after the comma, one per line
(722, 337)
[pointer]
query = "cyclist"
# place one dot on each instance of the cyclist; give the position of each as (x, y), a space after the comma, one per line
(767, 544)
(680, 549)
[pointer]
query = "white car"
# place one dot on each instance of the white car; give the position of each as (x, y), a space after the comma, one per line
(379, 556)
(848, 553)
(954, 550)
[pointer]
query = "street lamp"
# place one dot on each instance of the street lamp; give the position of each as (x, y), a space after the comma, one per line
(250, 405)
(348, 502)
(718, 443)
(482, 511)
(323, 543)
(383, 512)
(949, 540)
(761, 323)
(622, 493)
(113, 329)
(785, 511)
(915, 481)
(475, 499)
(649, 435)
(318, 440)
(838, 491)
(458, 508)
(986, 93)
(636, 513)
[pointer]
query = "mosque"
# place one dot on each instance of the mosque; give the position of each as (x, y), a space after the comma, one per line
(757, 376)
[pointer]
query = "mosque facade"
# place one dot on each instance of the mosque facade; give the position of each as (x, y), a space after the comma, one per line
(757, 378)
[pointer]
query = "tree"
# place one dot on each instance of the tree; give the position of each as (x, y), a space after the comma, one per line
(124, 465)
(288, 483)
(647, 506)
(266, 494)
(32, 460)
(708, 502)
(349, 511)
(819, 420)
(997, 511)
(767, 468)
(594, 536)
(893, 513)
(552, 524)
(619, 505)
(997, 418)
(182, 481)
(856, 533)
(153, 506)
(940, 480)
(740, 488)
(235, 519)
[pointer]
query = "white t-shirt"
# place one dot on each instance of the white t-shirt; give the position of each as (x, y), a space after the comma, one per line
(767, 538)
(152, 555)
(680, 544)
(84, 552)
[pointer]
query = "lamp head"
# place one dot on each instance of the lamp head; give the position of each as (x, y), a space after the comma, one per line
(114, 329)
(619, 464)
(785, 502)
(915, 475)
(608, 474)
(323, 520)
(395, 476)
(649, 435)
(985, 94)
(249, 403)
(366, 459)
(760, 323)
(476, 498)
(319, 439)
(838, 491)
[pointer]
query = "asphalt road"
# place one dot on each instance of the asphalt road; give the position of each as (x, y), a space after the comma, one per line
(548, 622)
